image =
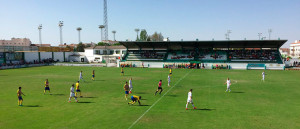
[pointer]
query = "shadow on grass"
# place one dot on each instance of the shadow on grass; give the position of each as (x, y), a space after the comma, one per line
(89, 97)
(58, 94)
(143, 99)
(86, 102)
(172, 95)
(32, 106)
(237, 92)
(99, 80)
(140, 105)
(205, 109)
(140, 92)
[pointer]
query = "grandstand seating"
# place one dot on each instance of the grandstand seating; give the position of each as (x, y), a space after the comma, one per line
(146, 55)
(238, 56)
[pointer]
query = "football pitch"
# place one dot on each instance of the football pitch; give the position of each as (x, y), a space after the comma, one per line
(252, 104)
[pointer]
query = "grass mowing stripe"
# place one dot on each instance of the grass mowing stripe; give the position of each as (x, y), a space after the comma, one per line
(159, 99)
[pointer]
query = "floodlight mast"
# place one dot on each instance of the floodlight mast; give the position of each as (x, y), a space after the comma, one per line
(40, 33)
(79, 29)
(114, 32)
(137, 33)
(61, 24)
(270, 31)
(101, 27)
(259, 35)
(227, 35)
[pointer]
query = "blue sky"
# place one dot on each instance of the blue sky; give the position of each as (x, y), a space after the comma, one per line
(176, 19)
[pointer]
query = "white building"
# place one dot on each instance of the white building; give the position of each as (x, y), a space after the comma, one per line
(100, 53)
(295, 49)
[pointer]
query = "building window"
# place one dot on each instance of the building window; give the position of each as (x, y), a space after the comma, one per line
(117, 51)
(97, 52)
(111, 52)
(123, 51)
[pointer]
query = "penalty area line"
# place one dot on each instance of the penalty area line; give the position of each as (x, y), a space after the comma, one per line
(158, 100)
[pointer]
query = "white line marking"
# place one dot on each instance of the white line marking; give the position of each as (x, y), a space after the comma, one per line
(159, 99)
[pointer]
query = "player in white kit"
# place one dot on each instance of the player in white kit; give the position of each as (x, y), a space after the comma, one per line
(263, 76)
(228, 85)
(80, 76)
(130, 85)
(189, 100)
(72, 94)
(169, 80)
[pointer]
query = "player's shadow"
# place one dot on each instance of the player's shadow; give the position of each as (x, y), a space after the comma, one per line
(58, 94)
(141, 105)
(205, 109)
(99, 80)
(86, 102)
(32, 106)
(140, 92)
(143, 99)
(90, 97)
(172, 95)
(237, 92)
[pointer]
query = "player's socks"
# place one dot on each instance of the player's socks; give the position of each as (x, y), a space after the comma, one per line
(193, 105)
(186, 105)
(155, 92)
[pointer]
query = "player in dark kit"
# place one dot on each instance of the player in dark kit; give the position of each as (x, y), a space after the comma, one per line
(159, 88)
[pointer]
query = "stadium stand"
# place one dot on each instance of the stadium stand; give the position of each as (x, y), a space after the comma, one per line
(217, 54)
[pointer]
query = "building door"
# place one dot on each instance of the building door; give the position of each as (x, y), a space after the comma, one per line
(82, 59)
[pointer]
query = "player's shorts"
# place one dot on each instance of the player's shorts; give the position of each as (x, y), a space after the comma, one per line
(160, 88)
(93, 76)
(72, 95)
(126, 92)
(20, 98)
(78, 90)
(132, 98)
(47, 88)
(122, 72)
(189, 101)
(170, 73)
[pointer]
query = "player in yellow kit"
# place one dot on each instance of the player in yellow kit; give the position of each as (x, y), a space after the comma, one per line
(122, 71)
(135, 98)
(19, 94)
(47, 86)
(170, 71)
(93, 75)
(77, 89)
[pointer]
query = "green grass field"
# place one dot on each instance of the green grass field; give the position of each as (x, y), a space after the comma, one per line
(252, 104)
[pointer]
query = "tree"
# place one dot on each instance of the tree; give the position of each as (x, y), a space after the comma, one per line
(80, 47)
(143, 35)
(103, 44)
(116, 44)
(157, 37)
